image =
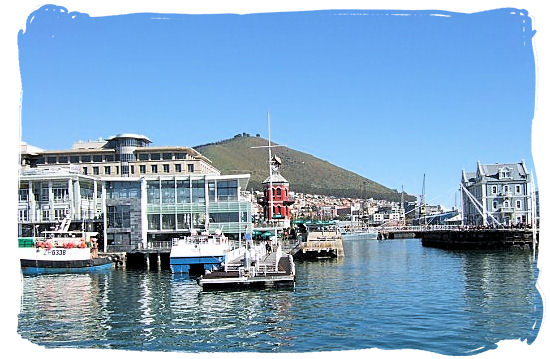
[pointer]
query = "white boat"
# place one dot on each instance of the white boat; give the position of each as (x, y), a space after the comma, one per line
(61, 251)
(205, 251)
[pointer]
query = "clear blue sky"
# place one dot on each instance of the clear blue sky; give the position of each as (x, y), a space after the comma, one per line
(389, 97)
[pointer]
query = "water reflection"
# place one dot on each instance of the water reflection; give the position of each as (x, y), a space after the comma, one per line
(384, 294)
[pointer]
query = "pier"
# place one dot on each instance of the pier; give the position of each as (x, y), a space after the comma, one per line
(319, 245)
(465, 237)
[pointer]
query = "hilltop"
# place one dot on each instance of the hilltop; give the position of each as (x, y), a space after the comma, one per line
(306, 173)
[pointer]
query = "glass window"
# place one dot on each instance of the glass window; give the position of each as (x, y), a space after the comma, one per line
(278, 192)
(180, 156)
(109, 158)
(118, 216)
(224, 217)
(227, 190)
(518, 204)
(168, 192)
(132, 169)
(96, 170)
(197, 194)
(51, 159)
(153, 221)
(168, 221)
(143, 156)
(85, 158)
(97, 158)
(518, 189)
(45, 215)
(107, 170)
(167, 156)
(23, 194)
(212, 191)
(153, 192)
(141, 169)
(85, 170)
(75, 159)
(494, 189)
(183, 220)
(154, 168)
(155, 156)
(45, 194)
(495, 204)
(166, 168)
(190, 167)
(183, 191)
(117, 170)
(123, 189)
(178, 167)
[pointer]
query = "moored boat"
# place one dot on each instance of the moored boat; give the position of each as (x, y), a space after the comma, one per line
(203, 251)
(61, 251)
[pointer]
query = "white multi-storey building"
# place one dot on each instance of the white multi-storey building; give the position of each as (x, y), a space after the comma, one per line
(497, 194)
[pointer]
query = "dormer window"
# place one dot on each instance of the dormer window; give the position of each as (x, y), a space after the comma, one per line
(505, 173)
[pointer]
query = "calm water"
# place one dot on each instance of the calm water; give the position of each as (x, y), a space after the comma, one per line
(383, 294)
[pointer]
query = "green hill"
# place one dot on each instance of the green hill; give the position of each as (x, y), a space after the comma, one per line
(306, 173)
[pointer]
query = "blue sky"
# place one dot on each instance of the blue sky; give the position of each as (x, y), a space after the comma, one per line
(389, 97)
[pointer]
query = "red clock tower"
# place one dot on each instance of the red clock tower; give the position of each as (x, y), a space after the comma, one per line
(276, 201)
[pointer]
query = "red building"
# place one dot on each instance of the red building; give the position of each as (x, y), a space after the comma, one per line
(278, 193)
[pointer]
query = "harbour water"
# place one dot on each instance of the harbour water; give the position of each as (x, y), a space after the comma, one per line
(392, 294)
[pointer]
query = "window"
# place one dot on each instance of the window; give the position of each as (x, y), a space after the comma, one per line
(183, 191)
(506, 204)
(168, 221)
(75, 159)
(118, 216)
(123, 189)
(96, 170)
(85, 170)
(190, 167)
(143, 156)
(51, 160)
(142, 169)
(197, 194)
(155, 156)
(167, 156)
(211, 191)
(97, 158)
(44, 194)
(494, 189)
(178, 167)
(168, 192)
(180, 156)
(278, 192)
(132, 169)
(153, 192)
(107, 170)
(45, 215)
(117, 170)
(63, 159)
(495, 204)
(59, 214)
(166, 168)
(23, 215)
(154, 169)
(227, 190)
(518, 189)
(505, 189)
(109, 158)
(23, 195)
(153, 221)
(518, 204)
(224, 217)
(85, 158)
(60, 194)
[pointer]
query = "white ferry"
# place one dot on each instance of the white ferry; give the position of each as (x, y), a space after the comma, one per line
(61, 251)
(202, 251)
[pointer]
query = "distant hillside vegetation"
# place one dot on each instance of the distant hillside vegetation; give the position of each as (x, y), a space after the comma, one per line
(306, 173)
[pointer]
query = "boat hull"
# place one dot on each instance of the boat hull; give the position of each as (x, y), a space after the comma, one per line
(30, 266)
(183, 264)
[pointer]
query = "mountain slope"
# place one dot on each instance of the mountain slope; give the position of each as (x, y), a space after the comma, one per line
(306, 173)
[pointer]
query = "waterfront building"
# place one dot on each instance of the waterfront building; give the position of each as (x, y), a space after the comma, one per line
(48, 195)
(148, 194)
(497, 193)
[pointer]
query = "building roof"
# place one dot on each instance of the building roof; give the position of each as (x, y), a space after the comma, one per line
(29, 149)
(276, 178)
(130, 135)
(517, 170)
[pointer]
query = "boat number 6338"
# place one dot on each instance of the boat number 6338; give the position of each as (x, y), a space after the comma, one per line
(58, 252)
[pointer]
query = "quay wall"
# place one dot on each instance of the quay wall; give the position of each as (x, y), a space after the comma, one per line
(478, 239)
